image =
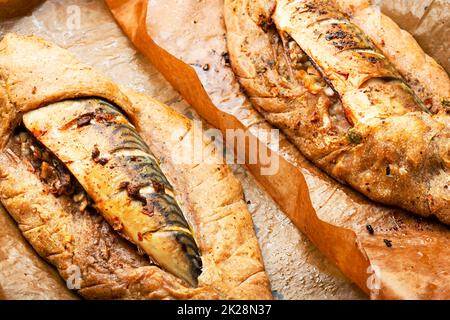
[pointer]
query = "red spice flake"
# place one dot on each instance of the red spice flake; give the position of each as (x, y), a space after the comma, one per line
(117, 224)
(140, 237)
(149, 209)
(344, 74)
(104, 117)
(33, 91)
(37, 154)
(430, 200)
(428, 101)
(349, 116)
(39, 133)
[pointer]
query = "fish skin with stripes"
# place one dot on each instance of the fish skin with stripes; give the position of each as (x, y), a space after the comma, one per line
(102, 149)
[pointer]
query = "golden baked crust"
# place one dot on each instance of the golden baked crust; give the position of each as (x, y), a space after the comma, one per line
(316, 76)
(110, 267)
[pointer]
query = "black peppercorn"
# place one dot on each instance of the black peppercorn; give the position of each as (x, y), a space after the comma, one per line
(370, 229)
(388, 243)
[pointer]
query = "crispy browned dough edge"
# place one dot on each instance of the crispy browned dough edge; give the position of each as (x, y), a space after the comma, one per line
(233, 266)
(23, 274)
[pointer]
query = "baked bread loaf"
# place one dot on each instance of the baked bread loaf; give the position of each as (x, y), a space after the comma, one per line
(71, 203)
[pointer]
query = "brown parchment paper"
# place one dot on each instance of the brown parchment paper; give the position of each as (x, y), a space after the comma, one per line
(180, 38)
(296, 268)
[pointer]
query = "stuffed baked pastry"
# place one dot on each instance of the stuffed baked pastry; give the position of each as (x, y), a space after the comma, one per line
(373, 112)
(80, 173)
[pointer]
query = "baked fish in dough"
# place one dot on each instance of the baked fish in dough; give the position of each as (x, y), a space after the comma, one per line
(81, 174)
(317, 76)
